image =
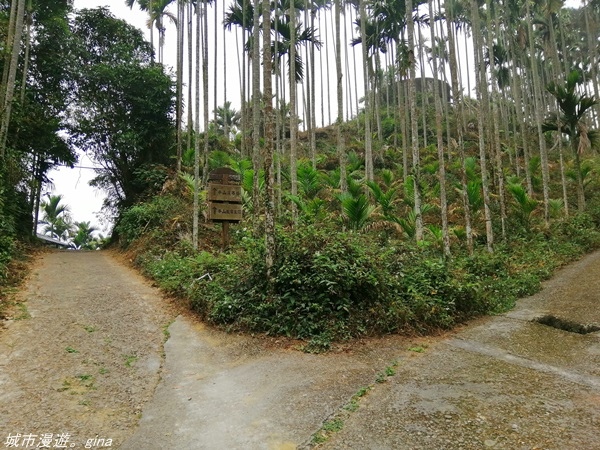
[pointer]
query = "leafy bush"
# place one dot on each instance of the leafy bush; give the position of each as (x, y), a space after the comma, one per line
(7, 231)
(330, 284)
(146, 217)
(323, 282)
(579, 230)
(149, 179)
(7, 249)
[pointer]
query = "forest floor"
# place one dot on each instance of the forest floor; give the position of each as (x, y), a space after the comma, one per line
(93, 357)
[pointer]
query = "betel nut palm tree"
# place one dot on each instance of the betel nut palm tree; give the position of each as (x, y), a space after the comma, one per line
(56, 216)
(157, 12)
(83, 235)
(570, 120)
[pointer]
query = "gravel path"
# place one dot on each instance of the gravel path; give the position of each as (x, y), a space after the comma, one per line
(89, 356)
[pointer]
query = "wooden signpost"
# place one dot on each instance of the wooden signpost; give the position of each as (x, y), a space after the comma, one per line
(224, 199)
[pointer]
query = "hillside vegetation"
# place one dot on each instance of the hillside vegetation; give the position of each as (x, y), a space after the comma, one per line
(349, 265)
(457, 167)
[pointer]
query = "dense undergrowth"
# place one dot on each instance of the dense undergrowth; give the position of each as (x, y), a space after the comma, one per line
(329, 284)
(14, 249)
(14, 270)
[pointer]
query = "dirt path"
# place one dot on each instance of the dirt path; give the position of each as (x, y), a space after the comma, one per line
(89, 356)
(88, 361)
(92, 362)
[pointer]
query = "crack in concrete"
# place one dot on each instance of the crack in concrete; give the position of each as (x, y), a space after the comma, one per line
(503, 355)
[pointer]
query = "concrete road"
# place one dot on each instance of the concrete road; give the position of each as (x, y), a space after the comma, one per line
(504, 382)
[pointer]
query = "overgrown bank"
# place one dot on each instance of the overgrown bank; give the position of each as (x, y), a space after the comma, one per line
(329, 284)
(13, 237)
(15, 258)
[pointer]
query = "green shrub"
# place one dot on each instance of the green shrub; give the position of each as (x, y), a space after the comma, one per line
(148, 216)
(323, 282)
(329, 284)
(7, 232)
(7, 250)
(580, 230)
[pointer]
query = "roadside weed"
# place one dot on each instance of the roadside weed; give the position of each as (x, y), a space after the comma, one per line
(130, 359)
(336, 422)
(23, 312)
(330, 426)
(165, 330)
(418, 348)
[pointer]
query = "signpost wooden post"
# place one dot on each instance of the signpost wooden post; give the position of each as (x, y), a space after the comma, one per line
(224, 199)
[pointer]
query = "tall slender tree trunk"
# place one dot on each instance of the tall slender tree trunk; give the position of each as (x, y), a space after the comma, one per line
(424, 96)
(195, 224)
(256, 107)
(350, 103)
(293, 111)
(216, 64)
(467, 70)
(356, 96)
(556, 70)
(278, 122)
(151, 22)
(375, 101)
(458, 105)
(313, 107)
(244, 110)
(190, 98)
(440, 141)
(268, 147)
(8, 87)
(226, 127)
(327, 31)
(370, 176)
(563, 177)
(579, 178)
(341, 150)
(595, 58)
(28, 36)
(10, 41)
(538, 118)
(519, 108)
(495, 122)
(179, 83)
(482, 99)
(402, 106)
(414, 127)
(205, 88)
